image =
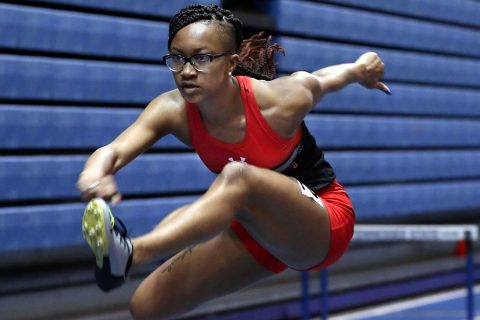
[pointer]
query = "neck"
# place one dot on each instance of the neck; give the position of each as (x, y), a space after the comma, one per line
(224, 104)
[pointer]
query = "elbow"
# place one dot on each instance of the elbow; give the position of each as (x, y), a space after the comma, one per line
(109, 152)
(311, 82)
(108, 158)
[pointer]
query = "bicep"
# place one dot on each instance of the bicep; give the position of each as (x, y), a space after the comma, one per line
(300, 91)
(308, 89)
(132, 142)
(152, 124)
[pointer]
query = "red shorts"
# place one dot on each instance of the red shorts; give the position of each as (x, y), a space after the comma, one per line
(342, 219)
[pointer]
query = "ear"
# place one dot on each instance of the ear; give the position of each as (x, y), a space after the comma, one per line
(234, 61)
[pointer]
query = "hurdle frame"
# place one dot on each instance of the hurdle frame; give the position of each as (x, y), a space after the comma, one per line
(392, 232)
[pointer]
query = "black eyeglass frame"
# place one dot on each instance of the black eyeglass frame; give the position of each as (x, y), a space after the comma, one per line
(189, 59)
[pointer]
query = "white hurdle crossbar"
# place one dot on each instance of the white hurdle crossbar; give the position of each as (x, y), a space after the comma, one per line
(399, 232)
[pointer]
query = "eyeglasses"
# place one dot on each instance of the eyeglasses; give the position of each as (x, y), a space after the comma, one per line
(201, 61)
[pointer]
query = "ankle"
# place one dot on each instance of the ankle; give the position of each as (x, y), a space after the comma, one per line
(138, 254)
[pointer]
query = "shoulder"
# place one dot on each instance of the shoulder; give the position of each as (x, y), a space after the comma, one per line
(300, 86)
(169, 105)
(168, 101)
(293, 95)
(166, 113)
(297, 82)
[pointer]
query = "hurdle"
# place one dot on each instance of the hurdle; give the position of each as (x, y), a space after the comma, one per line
(403, 232)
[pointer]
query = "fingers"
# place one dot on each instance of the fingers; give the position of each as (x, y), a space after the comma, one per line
(116, 198)
(93, 185)
(87, 191)
(383, 87)
(104, 188)
(374, 71)
(91, 191)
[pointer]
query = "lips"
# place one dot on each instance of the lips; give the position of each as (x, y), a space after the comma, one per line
(189, 88)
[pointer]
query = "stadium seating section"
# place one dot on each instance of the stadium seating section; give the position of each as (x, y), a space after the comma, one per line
(74, 74)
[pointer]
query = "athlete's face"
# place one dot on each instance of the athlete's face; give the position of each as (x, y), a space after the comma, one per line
(201, 38)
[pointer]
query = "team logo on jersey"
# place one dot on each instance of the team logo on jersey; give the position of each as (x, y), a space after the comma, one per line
(242, 159)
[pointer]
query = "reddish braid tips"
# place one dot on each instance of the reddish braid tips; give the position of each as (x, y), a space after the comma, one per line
(257, 57)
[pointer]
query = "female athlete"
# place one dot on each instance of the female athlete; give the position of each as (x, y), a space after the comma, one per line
(275, 203)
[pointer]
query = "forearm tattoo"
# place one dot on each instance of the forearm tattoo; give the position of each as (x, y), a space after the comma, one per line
(179, 258)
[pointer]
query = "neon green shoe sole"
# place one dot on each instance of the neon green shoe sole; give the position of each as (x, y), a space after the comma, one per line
(95, 222)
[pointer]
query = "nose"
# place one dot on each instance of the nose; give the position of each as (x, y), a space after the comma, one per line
(188, 69)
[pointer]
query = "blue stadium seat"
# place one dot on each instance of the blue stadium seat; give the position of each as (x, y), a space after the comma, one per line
(56, 226)
(74, 80)
(465, 12)
(310, 55)
(145, 7)
(360, 132)
(59, 128)
(82, 33)
(406, 99)
(329, 22)
(385, 167)
(54, 177)
(415, 200)
(34, 78)
(63, 127)
(56, 31)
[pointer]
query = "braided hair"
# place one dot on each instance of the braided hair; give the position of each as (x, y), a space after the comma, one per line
(256, 53)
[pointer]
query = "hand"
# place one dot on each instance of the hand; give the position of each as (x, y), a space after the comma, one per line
(93, 185)
(373, 70)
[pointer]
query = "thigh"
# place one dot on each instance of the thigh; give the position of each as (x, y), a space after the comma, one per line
(209, 270)
(289, 224)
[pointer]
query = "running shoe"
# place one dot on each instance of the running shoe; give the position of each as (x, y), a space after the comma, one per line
(107, 238)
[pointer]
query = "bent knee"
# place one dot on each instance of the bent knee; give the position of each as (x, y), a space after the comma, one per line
(136, 309)
(140, 310)
(235, 178)
(160, 298)
(142, 307)
(154, 307)
(235, 172)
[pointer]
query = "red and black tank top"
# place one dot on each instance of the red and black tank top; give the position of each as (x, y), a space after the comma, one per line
(261, 146)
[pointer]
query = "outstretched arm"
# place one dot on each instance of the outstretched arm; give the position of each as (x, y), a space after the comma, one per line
(296, 95)
(367, 70)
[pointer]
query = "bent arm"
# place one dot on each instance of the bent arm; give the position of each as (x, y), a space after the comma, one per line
(157, 120)
(133, 141)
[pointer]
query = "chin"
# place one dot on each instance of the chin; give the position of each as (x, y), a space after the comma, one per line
(191, 98)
